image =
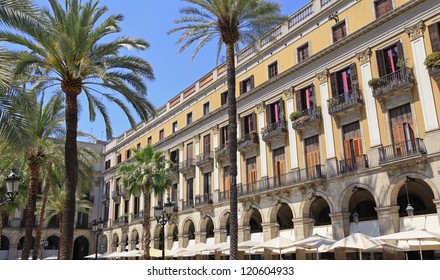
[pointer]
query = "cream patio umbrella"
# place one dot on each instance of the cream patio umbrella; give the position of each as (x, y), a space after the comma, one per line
(315, 241)
(415, 234)
(278, 243)
(357, 241)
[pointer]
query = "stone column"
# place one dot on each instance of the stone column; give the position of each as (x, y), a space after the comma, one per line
(244, 233)
(301, 228)
(292, 133)
(270, 230)
(340, 224)
(12, 254)
(388, 218)
(263, 156)
(332, 167)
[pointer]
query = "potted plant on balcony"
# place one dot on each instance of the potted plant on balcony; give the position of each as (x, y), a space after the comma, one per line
(432, 63)
(295, 115)
(373, 82)
(333, 103)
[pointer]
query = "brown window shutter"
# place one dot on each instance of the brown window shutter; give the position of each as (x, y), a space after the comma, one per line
(334, 84)
(400, 54)
(252, 81)
(354, 75)
(241, 87)
(242, 128)
(298, 100)
(434, 35)
(221, 136)
(254, 121)
(268, 114)
(282, 112)
(312, 94)
(381, 63)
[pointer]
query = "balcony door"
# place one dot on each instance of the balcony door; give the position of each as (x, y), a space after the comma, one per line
(352, 140)
(206, 145)
(279, 166)
(312, 156)
(402, 127)
(251, 171)
(189, 153)
(226, 180)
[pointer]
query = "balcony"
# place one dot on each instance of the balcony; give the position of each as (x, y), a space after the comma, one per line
(403, 152)
(138, 216)
(121, 220)
(315, 173)
(434, 72)
(116, 195)
(173, 173)
(105, 196)
(345, 103)
(222, 152)
(187, 167)
(188, 204)
(224, 196)
(205, 159)
(274, 132)
(398, 83)
(202, 200)
(306, 119)
(248, 143)
(353, 164)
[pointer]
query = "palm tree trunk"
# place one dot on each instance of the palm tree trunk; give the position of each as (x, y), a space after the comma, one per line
(146, 225)
(30, 210)
(1, 224)
(71, 176)
(39, 229)
(232, 129)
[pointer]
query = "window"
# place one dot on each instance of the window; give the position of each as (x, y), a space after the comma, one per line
(119, 158)
(207, 145)
(382, 7)
(107, 188)
(251, 172)
(390, 59)
(149, 141)
(343, 81)
(207, 183)
(128, 153)
(174, 193)
(352, 140)
(174, 156)
(189, 191)
(189, 152)
(275, 112)
(312, 157)
(189, 118)
(206, 109)
(116, 213)
(339, 31)
(248, 123)
(305, 100)
(138, 146)
(174, 126)
(402, 129)
(136, 206)
(279, 166)
(161, 134)
(303, 52)
(226, 180)
(434, 35)
(224, 98)
(107, 164)
(223, 135)
(272, 69)
(247, 84)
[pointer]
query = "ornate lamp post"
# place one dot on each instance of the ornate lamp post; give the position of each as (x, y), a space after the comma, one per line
(12, 182)
(409, 209)
(97, 228)
(163, 215)
(43, 244)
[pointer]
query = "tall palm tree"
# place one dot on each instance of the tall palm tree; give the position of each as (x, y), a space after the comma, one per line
(74, 50)
(232, 22)
(146, 175)
(45, 129)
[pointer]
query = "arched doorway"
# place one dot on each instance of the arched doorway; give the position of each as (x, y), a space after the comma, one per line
(320, 212)
(255, 221)
(4, 248)
(284, 217)
(362, 202)
(80, 248)
(189, 229)
(419, 195)
(124, 242)
(115, 242)
(134, 240)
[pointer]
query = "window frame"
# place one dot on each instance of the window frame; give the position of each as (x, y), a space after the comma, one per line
(299, 49)
(206, 109)
(272, 70)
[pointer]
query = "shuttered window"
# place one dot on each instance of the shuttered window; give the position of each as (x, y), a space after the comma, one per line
(382, 7)
(275, 112)
(312, 155)
(402, 127)
(189, 190)
(226, 179)
(343, 80)
(247, 84)
(224, 98)
(272, 70)
(303, 52)
(434, 35)
(189, 151)
(388, 59)
(248, 124)
(305, 98)
(352, 140)
(339, 31)
(223, 135)
(251, 169)
(207, 144)
(279, 166)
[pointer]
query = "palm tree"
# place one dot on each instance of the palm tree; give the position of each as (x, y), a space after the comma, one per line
(70, 44)
(231, 22)
(146, 175)
(45, 129)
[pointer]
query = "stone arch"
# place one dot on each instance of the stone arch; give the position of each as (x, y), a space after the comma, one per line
(173, 230)
(4, 242)
(398, 182)
(363, 203)
(157, 237)
(189, 229)
(254, 220)
(282, 214)
(53, 242)
(21, 243)
(207, 225)
(80, 247)
(224, 225)
(115, 242)
(347, 193)
(317, 208)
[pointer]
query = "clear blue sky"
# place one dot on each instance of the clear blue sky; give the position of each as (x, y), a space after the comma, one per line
(151, 20)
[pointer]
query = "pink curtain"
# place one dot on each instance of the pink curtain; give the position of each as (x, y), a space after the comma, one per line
(276, 112)
(308, 98)
(390, 55)
(345, 81)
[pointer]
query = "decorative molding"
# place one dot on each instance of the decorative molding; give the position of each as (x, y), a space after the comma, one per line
(289, 93)
(364, 57)
(215, 130)
(323, 77)
(181, 146)
(260, 108)
(416, 31)
(197, 139)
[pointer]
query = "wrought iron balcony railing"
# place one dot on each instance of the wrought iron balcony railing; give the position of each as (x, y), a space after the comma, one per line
(342, 103)
(248, 142)
(274, 131)
(307, 118)
(401, 150)
(204, 199)
(353, 164)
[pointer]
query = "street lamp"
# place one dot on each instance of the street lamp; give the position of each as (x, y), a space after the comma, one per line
(43, 244)
(97, 228)
(12, 182)
(163, 215)
(355, 217)
(409, 209)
